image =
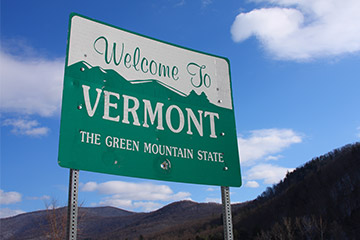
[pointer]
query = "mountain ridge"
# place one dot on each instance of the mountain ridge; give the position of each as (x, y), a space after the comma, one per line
(95, 221)
(318, 200)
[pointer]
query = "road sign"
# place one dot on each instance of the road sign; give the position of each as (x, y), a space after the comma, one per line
(139, 107)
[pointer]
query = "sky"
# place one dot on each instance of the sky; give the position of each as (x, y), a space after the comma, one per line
(295, 79)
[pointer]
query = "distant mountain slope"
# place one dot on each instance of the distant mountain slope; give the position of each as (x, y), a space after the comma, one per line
(35, 225)
(144, 224)
(319, 200)
(104, 212)
(107, 222)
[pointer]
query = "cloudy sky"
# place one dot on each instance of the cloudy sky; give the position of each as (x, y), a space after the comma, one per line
(295, 77)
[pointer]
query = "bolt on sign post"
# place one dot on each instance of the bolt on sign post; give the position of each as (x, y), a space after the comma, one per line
(139, 107)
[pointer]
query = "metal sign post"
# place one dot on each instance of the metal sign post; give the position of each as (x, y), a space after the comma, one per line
(72, 205)
(227, 220)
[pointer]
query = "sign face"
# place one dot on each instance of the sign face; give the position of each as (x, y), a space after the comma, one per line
(139, 107)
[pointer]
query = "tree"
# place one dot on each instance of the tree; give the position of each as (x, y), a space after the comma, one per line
(56, 227)
(57, 220)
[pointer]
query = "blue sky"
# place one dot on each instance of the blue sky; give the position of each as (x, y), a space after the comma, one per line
(295, 76)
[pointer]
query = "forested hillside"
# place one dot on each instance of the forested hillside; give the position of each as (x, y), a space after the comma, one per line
(319, 200)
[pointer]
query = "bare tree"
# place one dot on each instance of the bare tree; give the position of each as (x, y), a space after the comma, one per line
(320, 225)
(57, 219)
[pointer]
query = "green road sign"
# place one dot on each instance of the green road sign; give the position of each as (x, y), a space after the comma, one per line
(139, 107)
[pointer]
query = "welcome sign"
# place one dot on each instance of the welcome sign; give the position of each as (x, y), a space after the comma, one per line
(139, 107)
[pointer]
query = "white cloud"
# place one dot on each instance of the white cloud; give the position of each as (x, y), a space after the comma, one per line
(135, 191)
(26, 127)
(115, 202)
(180, 3)
(210, 189)
(265, 142)
(9, 197)
(213, 200)
(44, 197)
(147, 206)
(274, 21)
(270, 174)
(89, 187)
(6, 212)
(273, 158)
(252, 184)
(30, 85)
(134, 195)
(205, 3)
(302, 30)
